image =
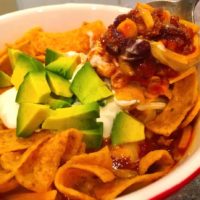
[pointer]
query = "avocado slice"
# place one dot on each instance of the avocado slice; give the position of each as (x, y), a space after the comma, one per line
(88, 87)
(4, 80)
(78, 116)
(52, 55)
(64, 66)
(59, 102)
(30, 117)
(22, 64)
(34, 88)
(126, 129)
(93, 138)
(59, 85)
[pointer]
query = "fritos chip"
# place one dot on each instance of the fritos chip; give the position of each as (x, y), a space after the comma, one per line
(5, 176)
(160, 158)
(7, 173)
(185, 94)
(73, 178)
(185, 138)
(36, 41)
(71, 183)
(110, 190)
(10, 160)
(7, 181)
(37, 172)
(74, 144)
(50, 195)
(192, 114)
(101, 157)
(9, 185)
(10, 142)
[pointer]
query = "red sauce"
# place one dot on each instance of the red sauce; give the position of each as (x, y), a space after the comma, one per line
(172, 33)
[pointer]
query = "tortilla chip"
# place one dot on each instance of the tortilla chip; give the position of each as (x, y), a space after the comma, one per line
(9, 185)
(192, 114)
(104, 174)
(101, 157)
(36, 41)
(185, 138)
(5, 176)
(74, 144)
(125, 173)
(50, 195)
(38, 170)
(182, 75)
(110, 190)
(10, 142)
(23, 44)
(82, 148)
(78, 177)
(155, 161)
(73, 182)
(10, 160)
(185, 94)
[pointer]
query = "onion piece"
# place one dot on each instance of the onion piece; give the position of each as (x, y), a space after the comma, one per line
(152, 106)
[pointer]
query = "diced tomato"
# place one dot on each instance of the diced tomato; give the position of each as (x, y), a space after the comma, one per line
(157, 86)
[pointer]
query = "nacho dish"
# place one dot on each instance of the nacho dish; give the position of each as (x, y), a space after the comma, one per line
(97, 112)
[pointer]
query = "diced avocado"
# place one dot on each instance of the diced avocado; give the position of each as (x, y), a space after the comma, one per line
(126, 129)
(22, 64)
(78, 116)
(55, 103)
(51, 56)
(93, 138)
(59, 85)
(30, 117)
(34, 88)
(88, 87)
(64, 66)
(4, 80)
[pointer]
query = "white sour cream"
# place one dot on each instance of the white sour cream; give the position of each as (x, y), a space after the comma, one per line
(126, 103)
(9, 108)
(107, 115)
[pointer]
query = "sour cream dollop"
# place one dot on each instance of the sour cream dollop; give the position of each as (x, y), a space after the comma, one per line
(9, 108)
(107, 115)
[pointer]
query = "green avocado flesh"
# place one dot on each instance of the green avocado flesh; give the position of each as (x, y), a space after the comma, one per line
(59, 85)
(22, 64)
(51, 56)
(30, 117)
(58, 102)
(64, 66)
(93, 138)
(34, 88)
(88, 87)
(4, 80)
(126, 129)
(78, 116)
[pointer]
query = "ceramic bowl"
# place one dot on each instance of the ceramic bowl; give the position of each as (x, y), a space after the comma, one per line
(67, 16)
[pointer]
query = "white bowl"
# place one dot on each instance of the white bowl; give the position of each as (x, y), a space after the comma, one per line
(66, 16)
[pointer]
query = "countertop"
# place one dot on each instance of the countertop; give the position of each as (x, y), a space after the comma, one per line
(189, 192)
